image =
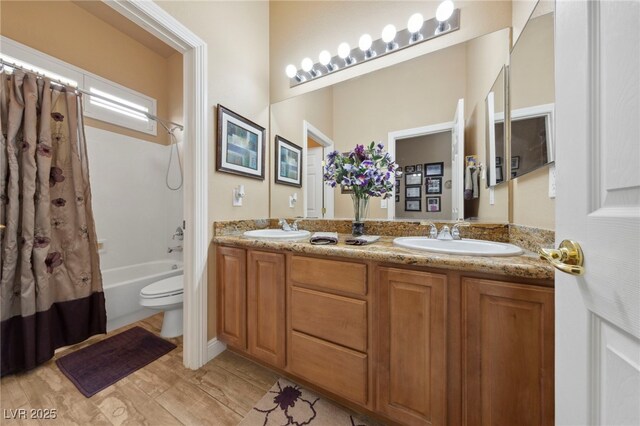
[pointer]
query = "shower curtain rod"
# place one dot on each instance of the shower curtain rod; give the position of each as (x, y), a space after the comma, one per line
(163, 122)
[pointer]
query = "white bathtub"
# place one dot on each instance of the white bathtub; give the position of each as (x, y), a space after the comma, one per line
(122, 289)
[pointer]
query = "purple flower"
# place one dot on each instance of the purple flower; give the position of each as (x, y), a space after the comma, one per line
(59, 202)
(359, 152)
(380, 146)
(55, 176)
(40, 242)
(52, 261)
(44, 150)
(57, 116)
(287, 397)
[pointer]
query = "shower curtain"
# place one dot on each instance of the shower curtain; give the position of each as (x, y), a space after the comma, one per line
(50, 281)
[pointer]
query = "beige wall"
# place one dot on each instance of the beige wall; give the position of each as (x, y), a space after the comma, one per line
(237, 36)
(287, 119)
(401, 97)
(68, 32)
(432, 148)
(485, 58)
(304, 28)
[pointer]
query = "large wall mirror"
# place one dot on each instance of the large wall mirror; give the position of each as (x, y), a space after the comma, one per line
(412, 108)
(532, 93)
(495, 131)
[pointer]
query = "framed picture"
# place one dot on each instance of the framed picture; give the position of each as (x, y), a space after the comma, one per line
(288, 162)
(418, 167)
(413, 179)
(240, 145)
(515, 162)
(413, 205)
(514, 175)
(434, 169)
(433, 185)
(499, 177)
(397, 198)
(345, 189)
(413, 192)
(433, 204)
(399, 169)
(397, 186)
(498, 161)
(409, 169)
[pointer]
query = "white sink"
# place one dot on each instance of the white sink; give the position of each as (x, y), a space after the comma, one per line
(277, 235)
(460, 247)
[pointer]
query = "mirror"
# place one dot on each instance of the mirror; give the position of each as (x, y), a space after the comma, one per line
(496, 131)
(532, 93)
(417, 108)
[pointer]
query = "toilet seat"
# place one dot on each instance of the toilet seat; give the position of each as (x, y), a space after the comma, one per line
(167, 287)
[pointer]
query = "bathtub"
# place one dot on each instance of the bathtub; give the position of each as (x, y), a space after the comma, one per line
(122, 289)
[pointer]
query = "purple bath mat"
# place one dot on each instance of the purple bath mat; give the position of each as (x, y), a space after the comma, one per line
(102, 364)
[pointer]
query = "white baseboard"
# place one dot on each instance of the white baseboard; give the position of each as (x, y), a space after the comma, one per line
(214, 348)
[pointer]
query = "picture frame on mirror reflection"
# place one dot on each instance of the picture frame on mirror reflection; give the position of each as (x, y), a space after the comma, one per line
(413, 178)
(288, 162)
(434, 169)
(433, 204)
(409, 169)
(498, 161)
(418, 167)
(397, 198)
(433, 185)
(499, 177)
(398, 186)
(413, 192)
(515, 162)
(240, 145)
(413, 205)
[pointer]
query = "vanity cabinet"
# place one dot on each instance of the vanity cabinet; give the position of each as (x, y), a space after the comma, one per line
(231, 277)
(412, 348)
(508, 353)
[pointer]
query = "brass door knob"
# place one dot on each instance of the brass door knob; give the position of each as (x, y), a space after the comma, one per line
(567, 258)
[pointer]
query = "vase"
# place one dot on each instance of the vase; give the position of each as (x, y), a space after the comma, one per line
(360, 212)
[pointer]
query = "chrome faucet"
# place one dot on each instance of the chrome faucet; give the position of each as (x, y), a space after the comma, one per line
(455, 231)
(172, 249)
(294, 225)
(285, 226)
(445, 234)
(179, 234)
(433, 231)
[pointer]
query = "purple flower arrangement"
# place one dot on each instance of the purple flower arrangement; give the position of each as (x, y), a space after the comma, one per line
(368, 170)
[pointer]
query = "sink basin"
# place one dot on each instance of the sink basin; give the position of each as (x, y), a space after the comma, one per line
(460, 247)
(277, 235)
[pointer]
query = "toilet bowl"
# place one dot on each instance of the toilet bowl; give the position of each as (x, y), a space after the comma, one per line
(166, 295)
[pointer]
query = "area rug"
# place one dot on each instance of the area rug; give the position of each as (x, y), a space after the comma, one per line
(102, 364)
(289, 404)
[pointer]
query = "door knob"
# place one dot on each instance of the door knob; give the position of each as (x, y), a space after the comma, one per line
(567, 258)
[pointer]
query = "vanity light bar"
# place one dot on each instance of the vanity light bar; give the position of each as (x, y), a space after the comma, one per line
(431, 28)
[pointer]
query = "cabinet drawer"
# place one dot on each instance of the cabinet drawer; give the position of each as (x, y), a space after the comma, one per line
(334, 318)
(346, 277)
(336, 369)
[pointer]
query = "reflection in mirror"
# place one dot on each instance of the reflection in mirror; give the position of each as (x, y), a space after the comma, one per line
(532, 93)
(495, 137)
(412, 108)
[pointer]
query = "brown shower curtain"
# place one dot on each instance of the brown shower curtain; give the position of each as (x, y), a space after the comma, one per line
(50, 281)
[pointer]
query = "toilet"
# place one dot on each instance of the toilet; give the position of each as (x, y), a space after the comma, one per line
(166, 295)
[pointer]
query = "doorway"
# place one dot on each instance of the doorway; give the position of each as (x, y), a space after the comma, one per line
(318, 197)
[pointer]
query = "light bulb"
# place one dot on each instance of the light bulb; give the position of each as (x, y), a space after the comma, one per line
(291, 70)
(344, 50)
(444, 11)
(365, 42)
(306, 64)
(324, 57)
(388, 33)
(415, 23)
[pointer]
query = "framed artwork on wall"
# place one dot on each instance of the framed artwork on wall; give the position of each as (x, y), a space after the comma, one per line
(409, 169)
(418, 167)
(288, 162)
(412, 205)
(433, 185)
(433, 204)
(434, 169)
(240, 145)
(397, 198)
(413, 179)
(515, 162)
(413, 192)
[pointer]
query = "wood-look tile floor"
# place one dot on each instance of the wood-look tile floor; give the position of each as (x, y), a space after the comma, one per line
(162, 393)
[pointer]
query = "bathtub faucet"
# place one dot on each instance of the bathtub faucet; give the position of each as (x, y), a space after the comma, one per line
(172, 249)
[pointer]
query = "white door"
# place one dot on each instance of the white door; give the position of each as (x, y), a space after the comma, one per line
(315, 189)
(598, 205)
(457, 163)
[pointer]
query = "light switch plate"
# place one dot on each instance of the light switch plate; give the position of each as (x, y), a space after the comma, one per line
(384, 204)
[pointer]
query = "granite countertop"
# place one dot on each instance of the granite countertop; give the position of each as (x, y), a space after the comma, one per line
(528, 265)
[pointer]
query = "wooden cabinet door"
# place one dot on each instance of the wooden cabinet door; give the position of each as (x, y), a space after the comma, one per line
(231, 273)
(508, 350)
(412, 348)
(266, 313)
